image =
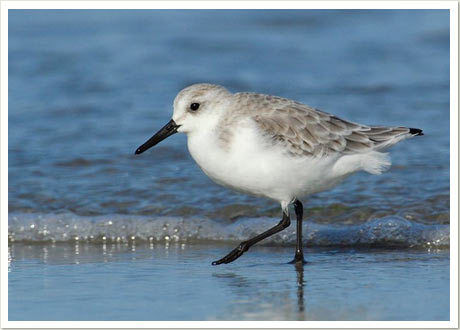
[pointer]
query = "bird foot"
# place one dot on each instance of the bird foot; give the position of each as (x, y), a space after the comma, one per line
(298, 259)
(233, 255)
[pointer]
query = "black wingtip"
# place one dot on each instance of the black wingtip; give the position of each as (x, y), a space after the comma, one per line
(415, 131)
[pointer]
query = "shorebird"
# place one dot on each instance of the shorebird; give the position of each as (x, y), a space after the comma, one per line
(274, 147)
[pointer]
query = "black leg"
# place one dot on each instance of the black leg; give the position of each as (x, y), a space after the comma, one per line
(298, 258)
(245, 245)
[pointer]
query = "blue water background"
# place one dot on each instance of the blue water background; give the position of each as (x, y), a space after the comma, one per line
(86, 88)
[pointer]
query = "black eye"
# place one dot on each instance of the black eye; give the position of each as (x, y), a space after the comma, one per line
(194, 106)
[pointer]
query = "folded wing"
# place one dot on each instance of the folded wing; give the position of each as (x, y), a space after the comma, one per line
(303, 130)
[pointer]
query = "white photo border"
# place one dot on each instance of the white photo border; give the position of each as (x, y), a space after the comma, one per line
(452, 6)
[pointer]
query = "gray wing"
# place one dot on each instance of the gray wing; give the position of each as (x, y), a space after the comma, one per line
(303, 130)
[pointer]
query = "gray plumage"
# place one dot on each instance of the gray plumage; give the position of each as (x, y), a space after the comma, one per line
(306, 131)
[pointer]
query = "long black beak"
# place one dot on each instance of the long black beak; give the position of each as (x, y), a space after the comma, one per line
(169, 129)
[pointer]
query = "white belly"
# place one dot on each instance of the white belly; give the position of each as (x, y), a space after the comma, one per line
(252, 166)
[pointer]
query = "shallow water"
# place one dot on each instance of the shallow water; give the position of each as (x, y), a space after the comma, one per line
(86, 88)
(176, 282)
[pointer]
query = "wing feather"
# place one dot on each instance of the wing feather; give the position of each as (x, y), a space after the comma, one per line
(303, 130)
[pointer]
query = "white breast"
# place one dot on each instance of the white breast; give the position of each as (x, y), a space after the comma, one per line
(253, 165)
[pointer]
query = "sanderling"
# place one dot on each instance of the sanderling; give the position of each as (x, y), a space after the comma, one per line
(274, 147)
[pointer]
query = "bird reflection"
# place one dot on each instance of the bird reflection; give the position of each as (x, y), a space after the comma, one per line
(300, 285)
(258, 298)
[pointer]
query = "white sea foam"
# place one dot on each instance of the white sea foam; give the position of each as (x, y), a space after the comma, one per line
(390, 231)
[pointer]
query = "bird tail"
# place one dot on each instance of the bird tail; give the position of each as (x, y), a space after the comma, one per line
(385, 137)
(415, 131)
(374, 161)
